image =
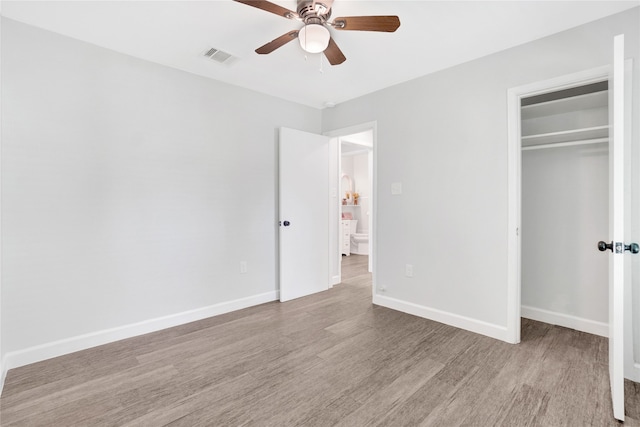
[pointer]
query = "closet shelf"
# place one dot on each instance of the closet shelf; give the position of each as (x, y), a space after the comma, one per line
(596, 132)
(564, 105)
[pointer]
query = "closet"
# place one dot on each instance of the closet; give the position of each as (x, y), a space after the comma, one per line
(565, 198)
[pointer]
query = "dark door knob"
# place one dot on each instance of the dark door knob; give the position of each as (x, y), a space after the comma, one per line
(286, 223)
(633, 248)
(602, 246)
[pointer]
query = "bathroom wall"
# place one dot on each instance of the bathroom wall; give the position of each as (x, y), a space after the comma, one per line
(346, 167)
(357, 167)
(362, 186)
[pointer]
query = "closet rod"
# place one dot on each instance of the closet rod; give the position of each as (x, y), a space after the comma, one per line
(565, 144)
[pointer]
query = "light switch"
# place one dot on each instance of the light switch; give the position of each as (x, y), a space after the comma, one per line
(408, 270)
(396, 188)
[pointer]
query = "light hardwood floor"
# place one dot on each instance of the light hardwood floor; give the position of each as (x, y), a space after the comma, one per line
(327, 359)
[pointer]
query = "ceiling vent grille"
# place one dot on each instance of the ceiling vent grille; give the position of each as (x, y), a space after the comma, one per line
(218, 56)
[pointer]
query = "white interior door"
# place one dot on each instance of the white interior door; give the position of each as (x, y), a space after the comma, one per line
(616, 218)
(304, 213)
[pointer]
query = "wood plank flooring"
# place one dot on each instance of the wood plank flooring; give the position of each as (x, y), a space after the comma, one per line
(324, 360)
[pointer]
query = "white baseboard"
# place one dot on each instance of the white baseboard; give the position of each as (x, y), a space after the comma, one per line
(462, 322)
(634, 375)
(360, 253)
(565, 320)
(3, 374)
(335, 280)
(82, 342)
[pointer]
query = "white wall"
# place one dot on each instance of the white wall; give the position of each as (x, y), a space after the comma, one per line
(131, 192)
(2, 367)
(444, 137)
(565, 199)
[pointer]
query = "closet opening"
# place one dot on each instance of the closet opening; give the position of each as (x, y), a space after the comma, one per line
(564, 192)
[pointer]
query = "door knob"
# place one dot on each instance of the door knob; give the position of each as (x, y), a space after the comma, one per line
(286, 223)
(602, 246)
(634, 248)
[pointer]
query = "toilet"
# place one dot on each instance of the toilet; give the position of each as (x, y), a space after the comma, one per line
(360, 244)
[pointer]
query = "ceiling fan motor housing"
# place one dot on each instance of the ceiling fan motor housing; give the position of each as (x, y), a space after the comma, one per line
(314, 12)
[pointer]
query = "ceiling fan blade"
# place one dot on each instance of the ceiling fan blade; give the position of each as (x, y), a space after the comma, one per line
(276, 43)
(334, 54)
(367, 23)
(270, 7)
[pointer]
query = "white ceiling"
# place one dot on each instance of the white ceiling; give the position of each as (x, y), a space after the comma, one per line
(433, 35)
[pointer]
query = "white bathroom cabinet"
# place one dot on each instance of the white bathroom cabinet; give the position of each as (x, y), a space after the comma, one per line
(348, 227)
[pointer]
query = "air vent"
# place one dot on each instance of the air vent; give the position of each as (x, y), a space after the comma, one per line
(218, 56)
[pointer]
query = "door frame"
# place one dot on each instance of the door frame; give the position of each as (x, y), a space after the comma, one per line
(514, 156)
(334, 252)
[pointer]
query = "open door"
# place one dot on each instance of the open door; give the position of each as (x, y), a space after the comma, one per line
(616, 218)
(617, 245)
(304, 213)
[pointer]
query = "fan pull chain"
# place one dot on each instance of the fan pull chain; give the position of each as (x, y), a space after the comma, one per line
(321, 69)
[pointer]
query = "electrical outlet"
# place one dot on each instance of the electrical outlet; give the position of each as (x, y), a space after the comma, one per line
(243, 267)
(408, 270)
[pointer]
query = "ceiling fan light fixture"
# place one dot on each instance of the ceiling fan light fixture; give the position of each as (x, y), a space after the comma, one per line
(314, 38)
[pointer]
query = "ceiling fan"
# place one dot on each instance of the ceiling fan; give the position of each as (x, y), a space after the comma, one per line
(314, 37)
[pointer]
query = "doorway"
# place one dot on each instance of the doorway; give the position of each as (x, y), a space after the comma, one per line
(565, 207)
(355, 193)
(538, 113)
(352, 201)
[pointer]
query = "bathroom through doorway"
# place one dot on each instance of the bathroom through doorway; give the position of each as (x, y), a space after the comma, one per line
(352, 210)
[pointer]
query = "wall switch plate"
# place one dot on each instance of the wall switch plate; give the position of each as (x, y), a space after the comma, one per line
(243, 267)
(396, 188)
(408, 270)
